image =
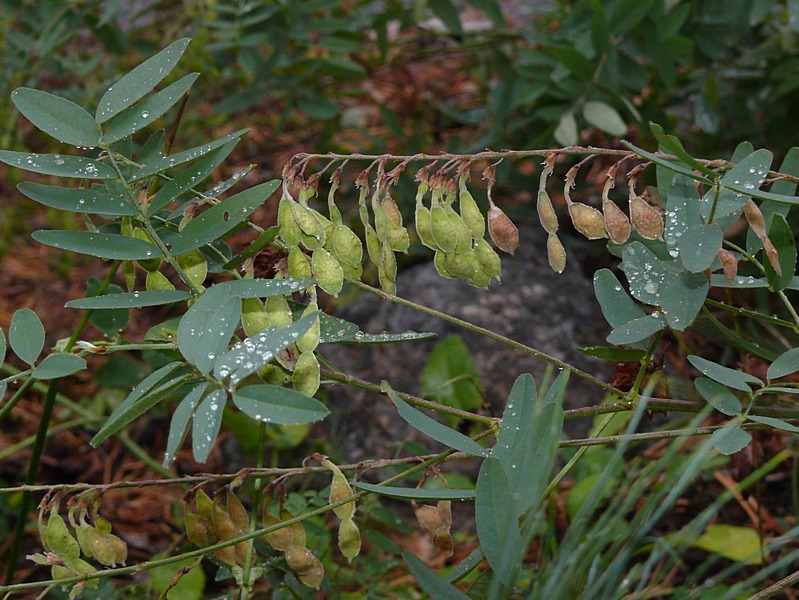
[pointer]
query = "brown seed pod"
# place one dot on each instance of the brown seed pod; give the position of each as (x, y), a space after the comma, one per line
(502, 230)
(556, 253)
(300, 559)
(772, 255)
(313, 577)
(392, 210)
(546, 212)
(443, 541)
(729, 264)
(429, 517)
(646, 219)
(616, 222)
(587, 220)
(755, 218)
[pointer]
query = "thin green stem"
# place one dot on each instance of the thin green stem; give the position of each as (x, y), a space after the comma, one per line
(639, 378)
(246, 589)
(752, 314)
(490, 334)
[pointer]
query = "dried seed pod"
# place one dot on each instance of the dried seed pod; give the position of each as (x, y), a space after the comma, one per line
(443, 232)
(313, 577)
(280, 539)
(755, 218)
(299, 266)
(205, 506)
(300, 559)
(443, 541)
(328, 273)
(444, 508)
(278, 311)
(429, 517)
(772, 255)
(230, 521)
(309, 340)
(470, 212)
(462, 266)
(729, 264)
(340, 489)
(556, 253)
(438, 261)
(546, 212)
(488, 259)
(254, 317)
(199, 531)
(347, 247)
(646, 219)
(391, 210)
(223, 523)
(616, 222)
(290, 231)
(194, 266)
(349, 539)
(157, 281)
(306, 377)
(237, 512)
(502, 230)
(587, 220)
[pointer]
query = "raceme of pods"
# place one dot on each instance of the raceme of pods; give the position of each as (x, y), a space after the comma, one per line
(349, 537)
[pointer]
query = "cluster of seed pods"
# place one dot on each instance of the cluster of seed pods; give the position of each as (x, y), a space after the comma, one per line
(210, 521)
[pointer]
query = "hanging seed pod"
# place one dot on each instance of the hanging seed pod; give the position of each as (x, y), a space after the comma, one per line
(488, 259)
(339, 490)
(205, 506)
(300, 559)
(729, 264)
(381, 219)
(616, 222)
(443, 232)
(772, 255)
(278, 312)
(502, 230)
(352, 272)
(387, 284)
(335, 213)
(299, 266)
(149, 264)
(129, 272)
(272, 374)
(230, 521)
(755, 218)
(309, 340)
(389, 261)
(546, 212)
(309, 222)
(199, 531)
(313, 577)
(646, 219)
(373, 246)
(398, 238)
(438, 261)
(290, 231)
(462, 230)
(102, 548)
(347, 246)
(423, 226)
(328, 273)
(157, 281)
(470, 212)
(391, 210)
(194, 266)
(280, 539)
(480, 279)
(462, 266)
(306, 378)
(120, 549)
(349, 539)
(84, 533)
(556, 253)
(428, 516)
(254, 317)
(58, 539)
(587, 220)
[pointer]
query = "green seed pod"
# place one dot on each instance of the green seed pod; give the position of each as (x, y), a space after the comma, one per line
(102, 548)
(340, 489)
(381, 220)
(272, 374)
(305, 378)
(646, 219)
(223, 524)
(616, 222)
(328, 273)
(587, 220)
(237, 512)
(471, 214)
(205, 506)
(332, 209)
(387, 284)
(82, 567)
(443, 232)
(158, 281)
(199, 531)
(309, 340)
(278, 311)
(352, 272)
(556, 253)
(280, 539)
(480, 279)
(314, 576)
(129, 271)
(488, 259)
(308, 221)
(464, 243)
(349, 539)
(102, 525)
(148, 264)
(373, 246)
(438, 261)
(299, 266)
(297, 528)
(254, 317)
(347, 247)
(84, 533)
(546, 212)
(61, 572)
(327, 225)
(194, 266)
(58, 538)
(289, 228)
(310, 242)
(398, 238)
(462, 266)
(502, 230)
(391, 210)
(300, 559)
(120, 549)
(423, 222)
(389, 261)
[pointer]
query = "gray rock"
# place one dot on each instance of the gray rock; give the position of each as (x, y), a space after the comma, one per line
(535, 306)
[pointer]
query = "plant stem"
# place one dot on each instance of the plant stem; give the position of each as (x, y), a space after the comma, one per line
(633, 393)
(774, 589)
(246, 589)
(490, 334)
